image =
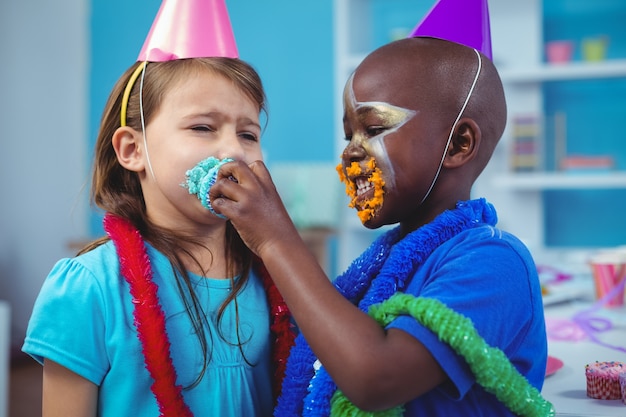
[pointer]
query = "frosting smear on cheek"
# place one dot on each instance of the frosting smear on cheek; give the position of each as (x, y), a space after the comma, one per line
(200, 178)
(368, 208)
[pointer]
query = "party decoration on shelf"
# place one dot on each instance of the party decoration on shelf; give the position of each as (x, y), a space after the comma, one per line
(560, 51)
(465, 22)
(594, 49)
(526, 149)
(587, 163)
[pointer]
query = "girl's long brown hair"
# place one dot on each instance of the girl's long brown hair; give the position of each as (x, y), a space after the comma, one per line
(118, 191)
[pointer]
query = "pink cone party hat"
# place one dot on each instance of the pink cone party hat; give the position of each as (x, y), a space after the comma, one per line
(184, 29)
(189, 29)
(461, 21)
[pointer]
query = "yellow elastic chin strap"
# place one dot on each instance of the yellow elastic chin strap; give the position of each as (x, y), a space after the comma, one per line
(129, 87)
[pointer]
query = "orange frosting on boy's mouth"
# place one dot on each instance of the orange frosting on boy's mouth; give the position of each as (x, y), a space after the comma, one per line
(359, 181)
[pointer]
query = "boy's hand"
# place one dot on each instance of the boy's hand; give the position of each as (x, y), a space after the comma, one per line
(247, 196)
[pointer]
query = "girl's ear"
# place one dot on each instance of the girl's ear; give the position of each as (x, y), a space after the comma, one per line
(127, 144)
(464, 144)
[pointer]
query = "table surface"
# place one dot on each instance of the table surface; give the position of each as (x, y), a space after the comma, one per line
(567, 388)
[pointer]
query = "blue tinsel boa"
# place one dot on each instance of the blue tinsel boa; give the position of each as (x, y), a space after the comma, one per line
(381, 271)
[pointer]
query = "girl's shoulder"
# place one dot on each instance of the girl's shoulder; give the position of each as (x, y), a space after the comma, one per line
(103, 254)
(98, 264)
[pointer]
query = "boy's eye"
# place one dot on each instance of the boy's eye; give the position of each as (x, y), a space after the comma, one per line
(368, 132)
(374, 130)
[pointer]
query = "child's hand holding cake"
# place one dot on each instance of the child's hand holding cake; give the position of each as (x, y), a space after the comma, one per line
(201, 177)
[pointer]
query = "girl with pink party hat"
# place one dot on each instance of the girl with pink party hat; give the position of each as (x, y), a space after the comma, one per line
(442, 315)
(170, 314)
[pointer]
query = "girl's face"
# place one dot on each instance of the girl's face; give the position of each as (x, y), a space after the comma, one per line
(202, 115)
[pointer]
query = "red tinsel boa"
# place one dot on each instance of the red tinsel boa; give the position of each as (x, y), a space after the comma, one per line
(281, 326)
(149, 318)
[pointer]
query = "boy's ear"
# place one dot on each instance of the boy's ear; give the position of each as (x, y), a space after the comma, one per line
(127, 143)
(464, 144)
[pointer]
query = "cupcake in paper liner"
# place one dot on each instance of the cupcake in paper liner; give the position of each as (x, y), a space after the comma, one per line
(603, 380)
(622, 384)
(200, 178)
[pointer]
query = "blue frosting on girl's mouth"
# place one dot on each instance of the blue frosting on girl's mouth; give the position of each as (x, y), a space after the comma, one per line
(201, 177)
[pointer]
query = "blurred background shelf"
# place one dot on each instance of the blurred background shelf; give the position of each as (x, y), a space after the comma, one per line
(567, 71)
(560, 181)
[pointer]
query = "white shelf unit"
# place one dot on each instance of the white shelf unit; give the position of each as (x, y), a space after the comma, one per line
(519, 196)
(538, 181)
(563, 72)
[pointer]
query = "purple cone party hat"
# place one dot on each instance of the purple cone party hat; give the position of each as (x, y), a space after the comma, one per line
(189, 29)
(460, 21)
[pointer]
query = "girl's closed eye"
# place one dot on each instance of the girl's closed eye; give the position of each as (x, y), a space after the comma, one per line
(203, 128)
(249, 136)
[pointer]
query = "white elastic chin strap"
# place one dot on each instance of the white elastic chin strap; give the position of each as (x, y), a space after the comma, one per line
(143, 122)
(445, 150)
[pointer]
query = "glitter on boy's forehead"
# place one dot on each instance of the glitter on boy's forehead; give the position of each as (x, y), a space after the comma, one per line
(389, 117)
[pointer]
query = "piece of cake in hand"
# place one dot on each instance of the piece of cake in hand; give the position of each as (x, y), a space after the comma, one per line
(201, 177)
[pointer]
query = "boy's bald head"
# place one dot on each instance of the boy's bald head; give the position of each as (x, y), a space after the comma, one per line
(434, 77)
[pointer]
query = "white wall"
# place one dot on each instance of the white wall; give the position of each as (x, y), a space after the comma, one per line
(43, 125)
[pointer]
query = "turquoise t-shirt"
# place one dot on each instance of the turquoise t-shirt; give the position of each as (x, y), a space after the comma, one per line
(83, 320)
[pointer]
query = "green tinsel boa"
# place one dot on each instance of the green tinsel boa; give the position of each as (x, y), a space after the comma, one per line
(493, 370)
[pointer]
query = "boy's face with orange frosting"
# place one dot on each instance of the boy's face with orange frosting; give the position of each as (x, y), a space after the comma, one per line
(392, 154)
(368, 176)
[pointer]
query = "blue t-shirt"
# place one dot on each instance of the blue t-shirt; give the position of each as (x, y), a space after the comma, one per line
(488, 276)
(83, 320)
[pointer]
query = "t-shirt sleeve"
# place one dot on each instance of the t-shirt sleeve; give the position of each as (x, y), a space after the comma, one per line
(67, 322)
(488, 280)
